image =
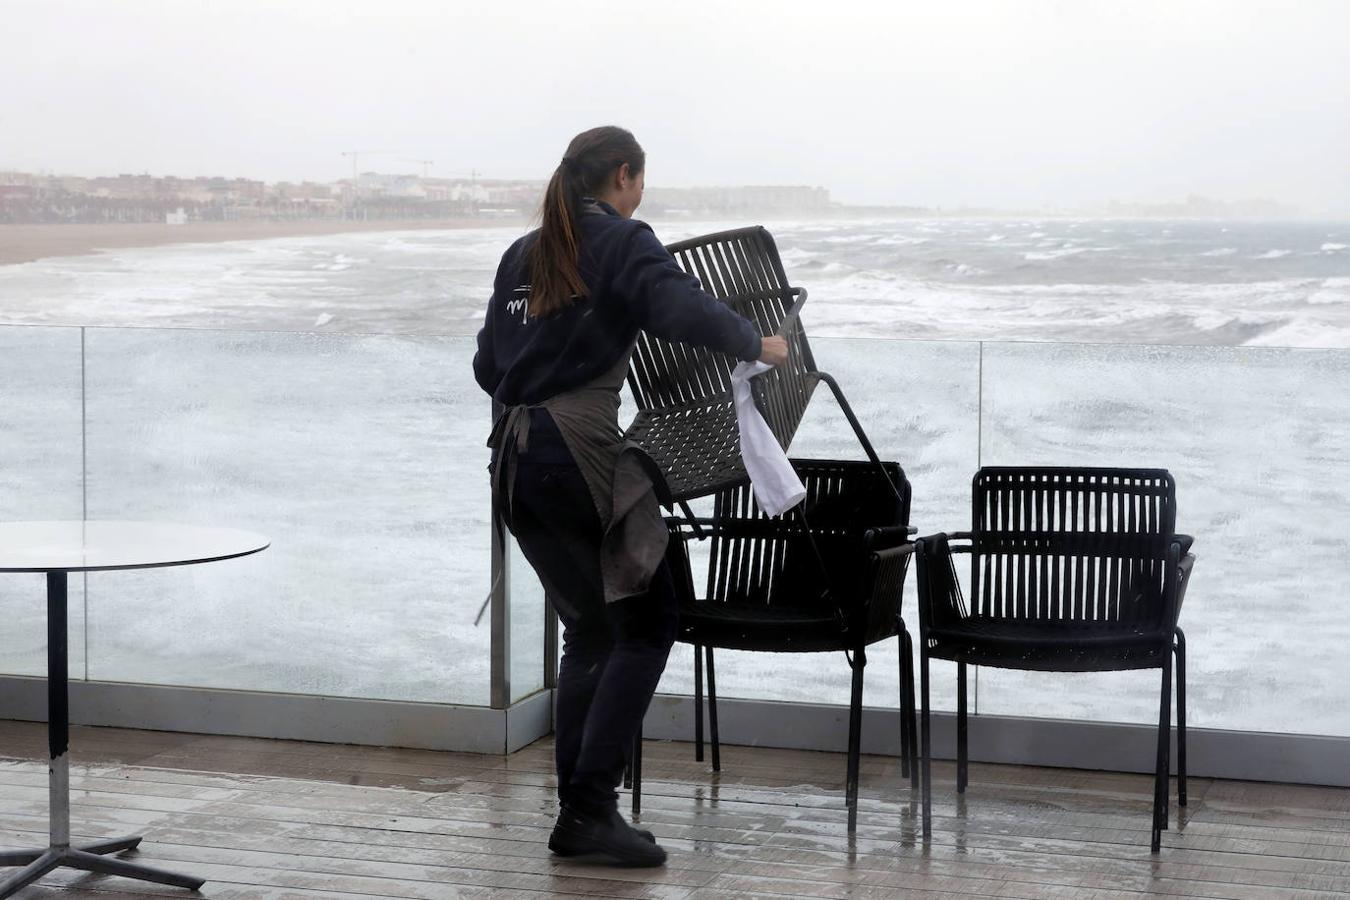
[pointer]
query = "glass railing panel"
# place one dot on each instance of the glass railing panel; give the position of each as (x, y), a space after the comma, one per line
(357, 455)
(1257, 441)
(527, 627)
(40, 478)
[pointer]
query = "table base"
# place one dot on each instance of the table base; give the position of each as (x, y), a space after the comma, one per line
(39, 862)
(59, 852)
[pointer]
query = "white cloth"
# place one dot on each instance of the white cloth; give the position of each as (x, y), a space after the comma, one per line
(777, 487)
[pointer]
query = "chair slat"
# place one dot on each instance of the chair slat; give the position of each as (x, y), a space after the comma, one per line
(1070, 545)
(685, 419)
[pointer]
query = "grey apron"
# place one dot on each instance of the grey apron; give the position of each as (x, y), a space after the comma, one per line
(625, 484)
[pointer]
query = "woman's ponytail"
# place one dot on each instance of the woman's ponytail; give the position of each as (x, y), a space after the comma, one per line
(555, 258)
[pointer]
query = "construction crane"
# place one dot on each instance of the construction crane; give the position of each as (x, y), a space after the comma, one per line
(426, 164)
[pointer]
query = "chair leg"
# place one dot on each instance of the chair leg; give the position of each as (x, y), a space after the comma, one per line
(1160, 783)
(854, 739)
(962, 759)
(712, 715)
(1181, 717)
(911, 715)
(628, 771)
(698, 703)
(901, 651)
(926, 738)
(636, 768)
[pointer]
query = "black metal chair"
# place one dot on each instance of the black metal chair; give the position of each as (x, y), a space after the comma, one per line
(686, 417)
(686, 420)
(1071, 570)
(826, 575)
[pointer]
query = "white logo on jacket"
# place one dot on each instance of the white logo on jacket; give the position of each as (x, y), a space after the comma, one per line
(520, 304)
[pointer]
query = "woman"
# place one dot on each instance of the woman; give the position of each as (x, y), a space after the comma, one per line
(566, 308)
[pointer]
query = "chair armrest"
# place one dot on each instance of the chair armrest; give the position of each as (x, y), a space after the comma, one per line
(1177, 575)
(885, 536)
(1184, 577)
(897, 552)
(948, 538)
(940, 600)
(794, 312)
(885, 587)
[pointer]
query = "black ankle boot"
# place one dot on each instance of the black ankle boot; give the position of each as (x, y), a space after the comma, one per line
(563, 804)
(607, 840)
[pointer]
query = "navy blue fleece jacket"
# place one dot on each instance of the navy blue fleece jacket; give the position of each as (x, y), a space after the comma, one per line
(632, 283)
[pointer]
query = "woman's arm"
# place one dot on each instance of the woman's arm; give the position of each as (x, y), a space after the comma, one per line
(484, 361)
(668, 302)
(485, 370)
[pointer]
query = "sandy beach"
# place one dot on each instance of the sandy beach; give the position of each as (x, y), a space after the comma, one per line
(25, 243)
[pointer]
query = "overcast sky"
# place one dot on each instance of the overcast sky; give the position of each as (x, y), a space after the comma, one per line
(1020, 103)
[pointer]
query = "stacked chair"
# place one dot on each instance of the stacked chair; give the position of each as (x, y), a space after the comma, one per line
(686, 420)
(825, 576)
(1071, 570)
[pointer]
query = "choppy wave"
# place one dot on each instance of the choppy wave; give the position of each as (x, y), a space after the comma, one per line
(1047, 280)
(1040, 255)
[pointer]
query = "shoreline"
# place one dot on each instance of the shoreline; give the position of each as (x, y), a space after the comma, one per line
(28, 243)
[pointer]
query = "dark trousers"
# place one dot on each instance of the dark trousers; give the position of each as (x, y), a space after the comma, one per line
(613, 654)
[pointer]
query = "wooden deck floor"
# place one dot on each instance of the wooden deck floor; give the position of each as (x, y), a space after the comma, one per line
(272, 819)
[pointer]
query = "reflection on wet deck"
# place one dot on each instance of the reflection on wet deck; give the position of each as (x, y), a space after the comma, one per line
(272, 819)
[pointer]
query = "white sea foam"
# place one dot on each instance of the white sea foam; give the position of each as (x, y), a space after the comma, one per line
(945, 280)
(1305, 333)
(850, 238)
(1332, 247)
(1273, 254)
(1041, 255)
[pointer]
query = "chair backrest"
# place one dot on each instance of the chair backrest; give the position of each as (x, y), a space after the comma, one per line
(741, 268)
(759, 560)
(1071, 545)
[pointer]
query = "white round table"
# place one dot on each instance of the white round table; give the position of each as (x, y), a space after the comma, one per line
(57, 549)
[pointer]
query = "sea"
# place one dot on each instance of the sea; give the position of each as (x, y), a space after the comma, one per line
(318, 389)
(1284, 284)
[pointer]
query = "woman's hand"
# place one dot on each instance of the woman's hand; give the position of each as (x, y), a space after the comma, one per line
(773, 350)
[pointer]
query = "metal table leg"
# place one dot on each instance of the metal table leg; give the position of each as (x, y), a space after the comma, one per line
(37, 863)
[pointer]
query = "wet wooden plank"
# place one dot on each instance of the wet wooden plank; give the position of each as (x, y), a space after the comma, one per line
(270, 819)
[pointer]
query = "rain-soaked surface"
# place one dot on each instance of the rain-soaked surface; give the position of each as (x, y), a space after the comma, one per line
(272, 819)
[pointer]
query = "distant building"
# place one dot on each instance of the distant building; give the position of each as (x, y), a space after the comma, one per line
(131, 197)
(15, 193)
(375, 184)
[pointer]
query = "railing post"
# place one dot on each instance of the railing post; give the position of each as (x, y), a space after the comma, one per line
(979, 464)
(500, 613)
